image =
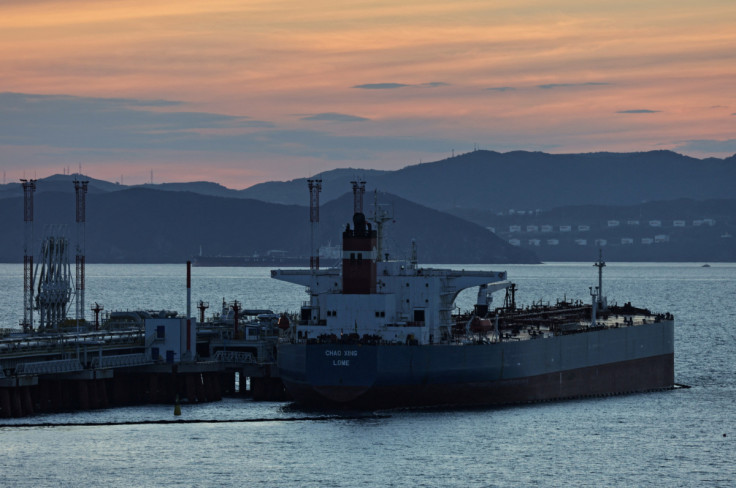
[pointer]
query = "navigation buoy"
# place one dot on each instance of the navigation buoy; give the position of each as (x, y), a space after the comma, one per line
(177, 407)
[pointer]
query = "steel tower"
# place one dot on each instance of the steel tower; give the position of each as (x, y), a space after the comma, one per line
(29, 186)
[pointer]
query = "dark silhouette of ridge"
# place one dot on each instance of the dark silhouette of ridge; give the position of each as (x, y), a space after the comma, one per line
(144, 225)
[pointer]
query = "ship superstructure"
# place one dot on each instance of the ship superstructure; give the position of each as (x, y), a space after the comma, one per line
(379, 300)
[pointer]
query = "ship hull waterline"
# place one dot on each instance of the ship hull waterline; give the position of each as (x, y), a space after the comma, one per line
(594, 363)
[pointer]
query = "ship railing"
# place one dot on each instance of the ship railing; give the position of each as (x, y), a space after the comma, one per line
(234, 357)
(120, 361)
(48, 367)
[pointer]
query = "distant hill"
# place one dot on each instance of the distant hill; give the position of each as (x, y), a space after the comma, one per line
(144, 225)
(488, 181)
(534, 180)
(334, 185)
(490, 189)
(64, 184)
(61, 184)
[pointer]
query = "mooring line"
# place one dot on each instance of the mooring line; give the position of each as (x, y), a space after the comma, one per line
(196, 421)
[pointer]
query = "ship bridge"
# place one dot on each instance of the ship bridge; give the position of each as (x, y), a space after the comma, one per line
(405, 302)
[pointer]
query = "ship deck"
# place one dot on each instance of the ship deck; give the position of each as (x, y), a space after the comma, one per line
(521, 324)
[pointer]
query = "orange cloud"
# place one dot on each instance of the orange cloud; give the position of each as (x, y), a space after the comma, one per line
(273, 60)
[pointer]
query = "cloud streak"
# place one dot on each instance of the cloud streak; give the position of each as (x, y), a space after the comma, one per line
(709, 146)
(66, 121)
(90, 130)
(334, 117)
(638, 111)
(393, 86)
(551, 86)
(381, 86)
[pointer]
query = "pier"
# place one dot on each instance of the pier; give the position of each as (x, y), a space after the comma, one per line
(64, 371)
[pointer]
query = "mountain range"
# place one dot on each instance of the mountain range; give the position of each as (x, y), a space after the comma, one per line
(457, 198)
(492, 181)
(144, 225)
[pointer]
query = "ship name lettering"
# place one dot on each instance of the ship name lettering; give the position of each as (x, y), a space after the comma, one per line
(330, 353)
(341, 362)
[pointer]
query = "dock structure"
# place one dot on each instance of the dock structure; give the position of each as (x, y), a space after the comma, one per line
(135, 357)
(137, 364)
(29, 187)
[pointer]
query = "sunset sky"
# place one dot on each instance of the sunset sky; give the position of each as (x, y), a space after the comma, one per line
(241, 92)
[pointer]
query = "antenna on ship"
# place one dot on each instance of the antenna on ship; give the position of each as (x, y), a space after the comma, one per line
(202, 306)
(97, 308)
(600, 265)
(381, 215)
(358, 192)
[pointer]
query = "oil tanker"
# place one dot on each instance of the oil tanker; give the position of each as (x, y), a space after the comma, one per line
(381, 333)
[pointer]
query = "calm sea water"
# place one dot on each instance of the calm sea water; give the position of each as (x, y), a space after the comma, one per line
(673, 438)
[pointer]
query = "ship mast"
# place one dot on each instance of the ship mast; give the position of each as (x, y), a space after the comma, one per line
(358, 192)
(600, 265)
(381, 215)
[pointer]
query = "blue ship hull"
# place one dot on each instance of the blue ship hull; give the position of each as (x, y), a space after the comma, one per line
(595, 362)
